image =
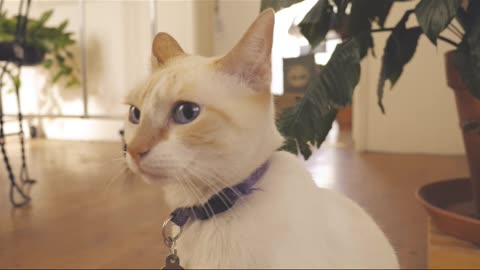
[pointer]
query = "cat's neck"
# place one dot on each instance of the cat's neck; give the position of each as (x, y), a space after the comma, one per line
(197, 191)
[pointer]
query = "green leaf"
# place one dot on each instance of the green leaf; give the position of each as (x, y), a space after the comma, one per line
(309, 121)
(304, 126)
(462, 18)
(16, 81)
(63, 25)
(373, 10)
(44, 17)
(73, 82)
(47, 63)
(334, 86)
(435, 15)
(380, 10)
(356, 16)
(348, 24)
(365, 41)
(357, 22)
(66, 70)
(277, 4)
(57, 76)
(60, 58)
(316, 23)
(14, 78)
(399, 50)
(69, 54)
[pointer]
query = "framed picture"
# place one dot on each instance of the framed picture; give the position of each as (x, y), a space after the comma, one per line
(297, 73)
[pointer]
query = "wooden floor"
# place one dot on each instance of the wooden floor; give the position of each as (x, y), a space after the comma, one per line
(78, 220)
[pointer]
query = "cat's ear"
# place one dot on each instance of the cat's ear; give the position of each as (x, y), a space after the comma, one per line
(250, 59)
(165, 47)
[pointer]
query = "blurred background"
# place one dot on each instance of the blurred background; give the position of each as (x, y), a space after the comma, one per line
(114, 55)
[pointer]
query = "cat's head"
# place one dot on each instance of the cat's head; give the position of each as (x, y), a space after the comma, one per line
(198, 117)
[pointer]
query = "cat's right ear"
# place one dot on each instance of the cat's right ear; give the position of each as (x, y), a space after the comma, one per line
(165, 47)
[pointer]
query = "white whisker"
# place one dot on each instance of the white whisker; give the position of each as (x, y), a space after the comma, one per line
(122, 172)
(208, 204)
(200, 177)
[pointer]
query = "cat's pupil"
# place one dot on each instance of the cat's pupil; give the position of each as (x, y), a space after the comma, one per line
(134, 115)
(188, 111)
(185, 112)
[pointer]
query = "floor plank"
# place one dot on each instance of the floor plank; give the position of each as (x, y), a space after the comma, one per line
(446, 252)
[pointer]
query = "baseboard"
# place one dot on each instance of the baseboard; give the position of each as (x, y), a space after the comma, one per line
(82, 129)
(71, 129)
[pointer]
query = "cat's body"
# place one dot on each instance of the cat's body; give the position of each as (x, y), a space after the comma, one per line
(200, 125)
(287, 223)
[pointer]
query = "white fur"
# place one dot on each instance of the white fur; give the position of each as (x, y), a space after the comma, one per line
(288, 222)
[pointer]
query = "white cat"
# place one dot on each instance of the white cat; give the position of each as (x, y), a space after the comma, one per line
(199, 125)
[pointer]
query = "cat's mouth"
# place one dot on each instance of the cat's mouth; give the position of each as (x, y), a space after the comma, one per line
(152, 175)
(156, 176)
(145, 172)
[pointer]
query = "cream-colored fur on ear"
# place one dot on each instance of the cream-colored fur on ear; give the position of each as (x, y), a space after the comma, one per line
(250, 59)
(165, 47)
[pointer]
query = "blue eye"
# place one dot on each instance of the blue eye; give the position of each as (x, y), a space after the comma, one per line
(185, 112)
(134, 115)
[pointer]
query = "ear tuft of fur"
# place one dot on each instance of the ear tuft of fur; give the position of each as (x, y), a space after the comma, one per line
(250, 59)
(165, 47)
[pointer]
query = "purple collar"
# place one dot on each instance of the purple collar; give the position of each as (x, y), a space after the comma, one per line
(219, 202)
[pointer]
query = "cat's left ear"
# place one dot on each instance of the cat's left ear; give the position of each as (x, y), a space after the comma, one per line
(250, 59)
(165, 47)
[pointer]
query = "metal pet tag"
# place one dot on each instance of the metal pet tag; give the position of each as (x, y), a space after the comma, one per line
(172, 262)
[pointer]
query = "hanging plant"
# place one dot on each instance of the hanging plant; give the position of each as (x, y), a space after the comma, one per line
(44, 45)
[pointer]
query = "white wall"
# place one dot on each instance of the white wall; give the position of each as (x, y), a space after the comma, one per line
(420, 110)
(233, 17)
(118, 42)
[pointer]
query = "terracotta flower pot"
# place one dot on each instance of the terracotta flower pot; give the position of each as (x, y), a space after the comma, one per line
(468, 108)
(454, 205)
(449, 204)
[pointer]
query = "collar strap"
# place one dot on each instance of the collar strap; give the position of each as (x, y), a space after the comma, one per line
(219, 202)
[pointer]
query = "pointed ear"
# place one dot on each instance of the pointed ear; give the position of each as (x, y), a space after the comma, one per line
(165, 47)
(250, 59)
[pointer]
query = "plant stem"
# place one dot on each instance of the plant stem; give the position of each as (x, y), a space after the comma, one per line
(444, 39)
(382, 30)
(449, 41)
(456, 28)
(455, 31)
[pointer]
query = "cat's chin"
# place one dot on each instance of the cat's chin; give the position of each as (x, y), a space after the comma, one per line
(147, 176)
(154, 178)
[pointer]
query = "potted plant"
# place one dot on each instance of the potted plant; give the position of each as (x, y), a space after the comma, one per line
(454, 205)
(38, 44)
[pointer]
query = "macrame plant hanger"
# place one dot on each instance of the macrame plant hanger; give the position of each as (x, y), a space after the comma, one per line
(18, 189)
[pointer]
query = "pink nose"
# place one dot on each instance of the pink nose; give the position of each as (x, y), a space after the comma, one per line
(136, 155)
